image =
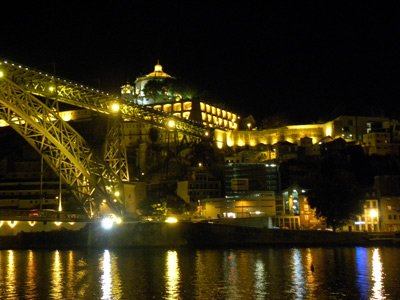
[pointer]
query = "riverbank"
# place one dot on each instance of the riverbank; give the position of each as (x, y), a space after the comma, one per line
(182, 234)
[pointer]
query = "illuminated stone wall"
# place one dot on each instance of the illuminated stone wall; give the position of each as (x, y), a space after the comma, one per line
(291, 134)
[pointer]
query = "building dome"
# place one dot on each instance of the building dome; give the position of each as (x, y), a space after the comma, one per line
(158, 72)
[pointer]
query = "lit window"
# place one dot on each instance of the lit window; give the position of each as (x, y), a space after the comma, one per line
(167, 107)
(187, 106)
(177, 107)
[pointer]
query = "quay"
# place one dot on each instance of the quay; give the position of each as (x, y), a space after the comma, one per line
(174, 235)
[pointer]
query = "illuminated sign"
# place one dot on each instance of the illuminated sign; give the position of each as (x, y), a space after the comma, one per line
(359, 222)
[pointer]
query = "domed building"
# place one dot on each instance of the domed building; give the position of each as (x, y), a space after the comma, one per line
(205, 113)
(140, 83)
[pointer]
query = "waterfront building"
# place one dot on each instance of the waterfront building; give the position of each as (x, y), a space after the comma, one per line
(388, 192)
(243, 178)
(252, 205)
(199, 185)
(298, 213)
(27, 183)
(370, 219)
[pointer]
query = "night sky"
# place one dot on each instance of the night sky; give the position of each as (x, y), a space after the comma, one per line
(311, 60)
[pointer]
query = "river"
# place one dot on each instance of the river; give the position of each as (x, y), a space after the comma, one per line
(223, 273)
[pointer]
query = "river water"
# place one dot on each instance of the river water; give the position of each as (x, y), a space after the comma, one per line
(255, 273)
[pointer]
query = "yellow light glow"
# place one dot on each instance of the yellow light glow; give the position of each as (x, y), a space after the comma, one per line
(66, 116)
(1, 74)
(171, 123)
(115, 107)
(12, 224)
(328, 131)
(373, 213)
(118, 220)
(116, 194)
(1, 223)
(171, 220)
(57, 223)
(32, 223)
(71, 223)
(51, 89)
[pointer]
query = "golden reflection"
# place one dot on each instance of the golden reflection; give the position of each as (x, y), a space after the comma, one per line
(172, 276)
(10, 277)
(310, 273)
(377, 275)
(31, 273)
(57, 274)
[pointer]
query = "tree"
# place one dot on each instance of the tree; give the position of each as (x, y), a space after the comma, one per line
(154, 89)
(334, 191)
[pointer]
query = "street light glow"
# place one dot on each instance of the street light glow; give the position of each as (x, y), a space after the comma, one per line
(171, 123)
(373, 213)
(115, 107)
(107, 223)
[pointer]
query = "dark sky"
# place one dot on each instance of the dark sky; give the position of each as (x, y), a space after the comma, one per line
(309, 59)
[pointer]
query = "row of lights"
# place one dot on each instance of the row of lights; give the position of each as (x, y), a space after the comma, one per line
(12, 224)
(64, 80)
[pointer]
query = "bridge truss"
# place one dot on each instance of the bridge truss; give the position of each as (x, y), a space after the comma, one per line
(29, 103)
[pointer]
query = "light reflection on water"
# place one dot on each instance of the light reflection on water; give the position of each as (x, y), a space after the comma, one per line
(269, 273)
(377, 276)
(172, 276)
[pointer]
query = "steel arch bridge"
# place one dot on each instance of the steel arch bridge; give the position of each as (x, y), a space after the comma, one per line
(29, 103)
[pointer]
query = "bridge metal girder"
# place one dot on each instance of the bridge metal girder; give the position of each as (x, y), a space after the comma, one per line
(49, 86)
(62, 148)
(115, 153)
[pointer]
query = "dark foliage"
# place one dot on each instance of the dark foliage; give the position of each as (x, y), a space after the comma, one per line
(334, 190)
